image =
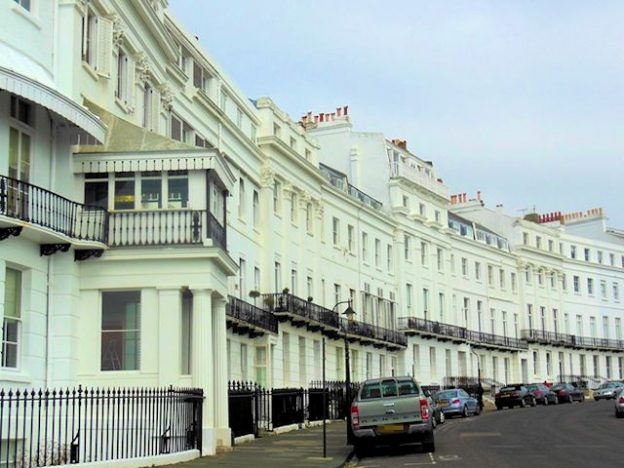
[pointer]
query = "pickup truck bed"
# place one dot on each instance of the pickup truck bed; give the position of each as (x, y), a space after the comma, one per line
(391, 410)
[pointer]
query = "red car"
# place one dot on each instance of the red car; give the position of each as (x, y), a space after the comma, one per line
(568, 393)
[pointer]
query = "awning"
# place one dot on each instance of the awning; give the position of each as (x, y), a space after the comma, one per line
(51, 99)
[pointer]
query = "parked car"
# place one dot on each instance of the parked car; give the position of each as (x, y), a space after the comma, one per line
(567, 392)
(514, 395)
(608, 390)
(438, 414)
(619, 404)
(391, 410)
(455, 402)
(542, 394)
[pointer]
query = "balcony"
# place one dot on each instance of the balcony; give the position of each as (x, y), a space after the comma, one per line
(403, 169)
(301, 312)
(59, 220)
(448, 332)
(571, 341)
(429, 328)
(244, 318)
(373, 334)
(164, 227)
(489, 340)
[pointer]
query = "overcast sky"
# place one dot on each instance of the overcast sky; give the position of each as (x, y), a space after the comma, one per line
(523, 100)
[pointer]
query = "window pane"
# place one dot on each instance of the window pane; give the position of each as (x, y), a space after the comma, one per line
(96, 194)
(120, 330)
(12, 293)
(150, 193)
(124, 194)
(178, 192)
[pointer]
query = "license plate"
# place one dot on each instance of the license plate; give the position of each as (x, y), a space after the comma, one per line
(442, 403)
(390, 429)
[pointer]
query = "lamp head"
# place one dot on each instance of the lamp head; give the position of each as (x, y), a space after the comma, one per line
(349, 312)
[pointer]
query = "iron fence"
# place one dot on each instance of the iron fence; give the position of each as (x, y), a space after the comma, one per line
(572, 341)
(253, 408)
(248, 313)
(82, 425)
(36, 205)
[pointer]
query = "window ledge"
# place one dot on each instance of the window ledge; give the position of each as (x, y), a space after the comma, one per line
(90, 70)
(27, 15)
(123, 106)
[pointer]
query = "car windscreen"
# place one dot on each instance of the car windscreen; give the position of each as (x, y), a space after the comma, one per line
(559, 387)
(532, 387)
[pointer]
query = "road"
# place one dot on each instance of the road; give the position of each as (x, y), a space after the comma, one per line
(556, 436)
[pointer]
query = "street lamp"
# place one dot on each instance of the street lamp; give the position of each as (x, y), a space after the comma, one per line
(480, 390)
(349, 312)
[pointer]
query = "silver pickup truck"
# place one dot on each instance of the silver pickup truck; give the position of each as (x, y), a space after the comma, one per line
(391, 410)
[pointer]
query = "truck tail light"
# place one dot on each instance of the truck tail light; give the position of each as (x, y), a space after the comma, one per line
(424, 409)
(355, 416)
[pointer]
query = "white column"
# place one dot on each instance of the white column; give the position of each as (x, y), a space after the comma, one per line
(169, 336)
(202, 364)
(220, 391)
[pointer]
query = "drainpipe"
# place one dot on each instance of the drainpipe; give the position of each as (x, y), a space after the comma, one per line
(52, 173)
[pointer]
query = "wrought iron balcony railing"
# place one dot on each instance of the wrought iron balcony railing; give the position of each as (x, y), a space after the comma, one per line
(288, 303)
(431, 327)
(572, 341)
(41, 207)
(248, 313)
(366, 330)
(482, 338)
(460, 333)
(164, 227)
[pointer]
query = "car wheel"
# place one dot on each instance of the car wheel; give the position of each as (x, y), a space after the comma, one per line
(360, 449)
(545, 401)
(434, 422)
(477, 410)
(533, 402)
(556, 400)
(570, 399)
(465, 412)
(522, 403)
(429, 443)
(442, 417)
(619, 414)
(499, 407)
(582, 397)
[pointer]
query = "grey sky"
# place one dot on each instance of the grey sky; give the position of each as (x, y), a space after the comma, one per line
(523, 100)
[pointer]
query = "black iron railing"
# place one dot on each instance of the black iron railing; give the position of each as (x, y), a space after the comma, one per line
(248, 313)
(288, 303)
(83, 425)
(572, 341)
(253, 408)
(477, 338)
(430, 326)
(460, 333)
(366, 330)
(148, 228)
(216, 232)
(36, 205)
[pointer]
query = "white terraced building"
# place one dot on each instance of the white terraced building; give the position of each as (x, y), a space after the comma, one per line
(159, 228)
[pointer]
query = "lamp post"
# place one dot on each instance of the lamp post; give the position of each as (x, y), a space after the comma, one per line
(478, 378)
(349, 312)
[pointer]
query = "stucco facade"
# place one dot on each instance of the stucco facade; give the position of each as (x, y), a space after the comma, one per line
(146, 202)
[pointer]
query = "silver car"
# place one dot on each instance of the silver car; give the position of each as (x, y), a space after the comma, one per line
(608, 390)
(457, 402)
(619, 404)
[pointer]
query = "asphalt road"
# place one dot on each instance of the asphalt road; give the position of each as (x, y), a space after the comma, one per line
(557, 436)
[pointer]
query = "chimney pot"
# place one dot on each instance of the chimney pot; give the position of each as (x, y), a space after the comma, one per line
(321, 117)
(338, 111)
(346, 110)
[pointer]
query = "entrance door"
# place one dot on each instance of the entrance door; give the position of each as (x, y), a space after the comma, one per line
(525, 370)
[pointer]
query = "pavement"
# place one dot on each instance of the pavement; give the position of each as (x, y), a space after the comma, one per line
(302, 447)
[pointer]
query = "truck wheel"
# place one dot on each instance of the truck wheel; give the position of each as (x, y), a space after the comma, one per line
(429, 443)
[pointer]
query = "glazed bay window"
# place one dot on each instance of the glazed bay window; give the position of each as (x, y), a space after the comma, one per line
(151, 190)
(124, 190)
(177, 189)
(120, 340)
(11, 325)
(96, 190)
